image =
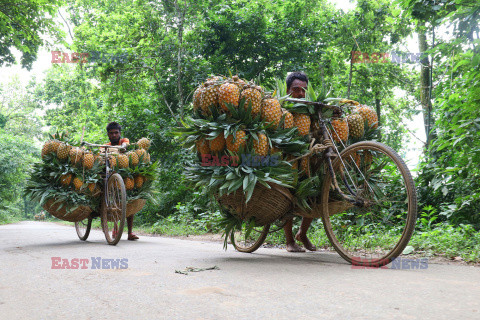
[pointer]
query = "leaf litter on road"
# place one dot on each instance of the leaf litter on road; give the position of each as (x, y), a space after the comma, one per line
(194, 269)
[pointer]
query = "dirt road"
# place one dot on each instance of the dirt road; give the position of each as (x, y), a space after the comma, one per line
(137, 280)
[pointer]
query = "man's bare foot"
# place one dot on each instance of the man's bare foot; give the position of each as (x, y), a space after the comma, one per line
(132, 236)
(306, 242)
(293, 247)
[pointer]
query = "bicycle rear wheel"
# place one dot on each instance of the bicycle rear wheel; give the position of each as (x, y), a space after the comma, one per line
(374, 233)
(114, 209)
(248, 242)
(83, 228)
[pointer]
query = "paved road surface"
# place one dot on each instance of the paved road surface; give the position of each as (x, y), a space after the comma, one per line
(269, 284)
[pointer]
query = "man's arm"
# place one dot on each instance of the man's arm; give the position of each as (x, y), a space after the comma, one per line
(124, 142)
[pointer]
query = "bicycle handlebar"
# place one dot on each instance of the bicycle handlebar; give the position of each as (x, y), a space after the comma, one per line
(316, 104)
(101, 145)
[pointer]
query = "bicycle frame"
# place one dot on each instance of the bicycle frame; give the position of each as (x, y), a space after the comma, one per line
(330, 153)
(107, 163)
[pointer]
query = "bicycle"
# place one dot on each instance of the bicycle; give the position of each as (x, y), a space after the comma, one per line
(367, 201)
(112, 207)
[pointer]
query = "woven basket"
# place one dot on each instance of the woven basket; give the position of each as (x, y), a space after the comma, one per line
(265, 205)
(134, 206)
(64, 212)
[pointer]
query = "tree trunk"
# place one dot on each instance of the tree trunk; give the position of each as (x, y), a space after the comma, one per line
(181, 18)
(377, 107)
(350, 75)
(425, 81)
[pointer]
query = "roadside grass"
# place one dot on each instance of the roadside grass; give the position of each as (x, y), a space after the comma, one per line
(6, 218)
(437, 240)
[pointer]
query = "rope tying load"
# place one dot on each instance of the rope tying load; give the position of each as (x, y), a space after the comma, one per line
(315, 148)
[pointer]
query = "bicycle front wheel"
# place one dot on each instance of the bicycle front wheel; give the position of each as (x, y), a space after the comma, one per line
(114, 209)
(379, 225)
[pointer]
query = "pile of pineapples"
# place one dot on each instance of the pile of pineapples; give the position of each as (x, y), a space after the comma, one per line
(233, 117)
(360, 120)
(73, 175)
(251, 119)
(237, 119)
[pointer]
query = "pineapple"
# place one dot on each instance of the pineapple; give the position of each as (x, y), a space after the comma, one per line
(76, 155)
(112, 161)
(217, 144)
(350, 102)
(202, 146)
(129, 183)
(209, 97)
(305, 166)
(91, 187)
(88, 161)
(315, 127)
(356, 158)
(240, 83)
(139, 180)
(228, 93)
(271, 111)
(214, 80)
(275, 150)
(302, 122)
(94, 189)
(234, 146)
(197, 98)
(368, 159)
(251, 94)
(133, 158)
(261, 146)
(55, 144)
(65, 179)
(368, 115)
(288, 122)
(294, 163)
(122, 161)
(142, 154)
(63, 150)
(78, 183)
(147, 158)
(144, 143)
(356, 125)
(47, 148)
(340, 130)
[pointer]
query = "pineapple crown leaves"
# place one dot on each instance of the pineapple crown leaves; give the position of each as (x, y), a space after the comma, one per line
(222, 180)
(300, 108)
(229, 223)
(312, 94)
(243, 114)
(40, 188)
(280, 88)
(124, 173)
(148, 170)
(307, 188)
(290, 141)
